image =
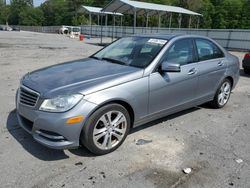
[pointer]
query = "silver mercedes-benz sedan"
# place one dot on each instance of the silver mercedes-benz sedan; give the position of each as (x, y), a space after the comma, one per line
(96, 101)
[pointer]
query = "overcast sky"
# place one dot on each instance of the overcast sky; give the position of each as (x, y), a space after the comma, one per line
(36, 2)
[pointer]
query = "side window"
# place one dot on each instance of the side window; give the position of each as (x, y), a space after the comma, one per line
(207, 50)
(181, 52)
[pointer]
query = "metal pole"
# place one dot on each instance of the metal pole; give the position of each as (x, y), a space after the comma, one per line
(106, 20)
(121, 27)
(113, 29)
(190, 21)
(134, 20)
(180, 18)
(147, 20)
(198, 22)
(115, 26)
(98, 19)
(101, 28)
(90, 16)
(106, 24)
(159, 20)
(170, 21)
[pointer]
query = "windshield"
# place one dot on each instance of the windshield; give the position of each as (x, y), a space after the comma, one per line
(132, 51)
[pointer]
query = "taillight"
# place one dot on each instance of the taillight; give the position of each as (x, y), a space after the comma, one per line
(247, 56)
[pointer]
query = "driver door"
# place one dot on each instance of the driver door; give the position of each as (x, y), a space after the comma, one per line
(170, 91)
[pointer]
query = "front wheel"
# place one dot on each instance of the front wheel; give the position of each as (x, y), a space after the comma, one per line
(106, 129)
(222, 95)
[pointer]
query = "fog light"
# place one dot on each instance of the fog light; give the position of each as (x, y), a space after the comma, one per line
(73, 120)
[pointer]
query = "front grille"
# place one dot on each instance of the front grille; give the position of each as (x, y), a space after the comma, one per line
(28, 97)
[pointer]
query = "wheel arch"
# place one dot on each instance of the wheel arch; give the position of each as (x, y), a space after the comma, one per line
(121, 102)
(230, 78)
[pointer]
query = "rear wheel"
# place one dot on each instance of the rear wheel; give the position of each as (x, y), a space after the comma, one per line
(223, 94)
(106, 129)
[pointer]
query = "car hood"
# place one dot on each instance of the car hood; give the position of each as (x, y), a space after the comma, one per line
(82, 76)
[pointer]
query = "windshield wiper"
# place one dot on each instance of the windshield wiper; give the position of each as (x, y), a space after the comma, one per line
(94, 57)
(113, 60)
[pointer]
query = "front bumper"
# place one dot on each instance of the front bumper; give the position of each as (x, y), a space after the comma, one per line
(50, 129)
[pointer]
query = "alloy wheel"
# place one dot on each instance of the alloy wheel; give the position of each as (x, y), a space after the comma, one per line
(109, 130)
(224, 93)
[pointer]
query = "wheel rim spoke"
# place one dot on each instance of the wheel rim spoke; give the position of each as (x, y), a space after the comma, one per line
(105, 141)
(109, 142)
(98, 131)
(104, 121)
(119, 130)
(108, 117)
(119, 137)
(97, 137)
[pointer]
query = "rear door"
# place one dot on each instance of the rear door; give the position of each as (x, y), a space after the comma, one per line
(170, 90)
(211, 67)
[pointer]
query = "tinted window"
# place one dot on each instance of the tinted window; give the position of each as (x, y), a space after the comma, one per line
(207, 50)
(181, 52)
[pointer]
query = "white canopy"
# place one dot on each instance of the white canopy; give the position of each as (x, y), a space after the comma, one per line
(142, 8)
(95, 10)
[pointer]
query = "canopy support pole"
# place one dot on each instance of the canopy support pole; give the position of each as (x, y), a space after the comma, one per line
(198, 22)
(121, 26)
(113, 28)
(98, 19)
(101, 28)
(90, 22)
(159, 20)
(179, 20)
(106, 20)
(134, 20)
(170, 21)
(147, 20)
(190, 22)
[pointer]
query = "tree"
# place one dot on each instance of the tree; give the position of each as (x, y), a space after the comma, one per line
(31, 16)
(16, 7)
(4, 14)
(56, 12)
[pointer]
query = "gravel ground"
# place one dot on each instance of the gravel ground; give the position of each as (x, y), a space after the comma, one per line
(206, 140)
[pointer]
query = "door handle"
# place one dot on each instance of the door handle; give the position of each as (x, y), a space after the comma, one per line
(221, 63)
(192, 71)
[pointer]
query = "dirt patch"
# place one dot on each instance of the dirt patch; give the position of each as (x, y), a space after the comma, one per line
(52, 48)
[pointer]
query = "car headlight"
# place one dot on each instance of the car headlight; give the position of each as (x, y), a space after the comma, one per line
(60, 103)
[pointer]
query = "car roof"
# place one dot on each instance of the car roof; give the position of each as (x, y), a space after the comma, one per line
(158, 36)
(169, 36)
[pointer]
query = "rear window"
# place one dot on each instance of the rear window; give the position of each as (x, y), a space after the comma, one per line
(208, 50)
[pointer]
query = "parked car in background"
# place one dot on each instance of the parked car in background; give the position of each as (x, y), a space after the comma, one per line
(73, 31)
(246, 63)
(97, 100)
(15, 28)
(5, 28)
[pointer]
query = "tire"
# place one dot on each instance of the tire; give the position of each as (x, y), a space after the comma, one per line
(102, 136)
(221, 98)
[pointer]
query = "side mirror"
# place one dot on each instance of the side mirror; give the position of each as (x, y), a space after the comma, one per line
(170, 67)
